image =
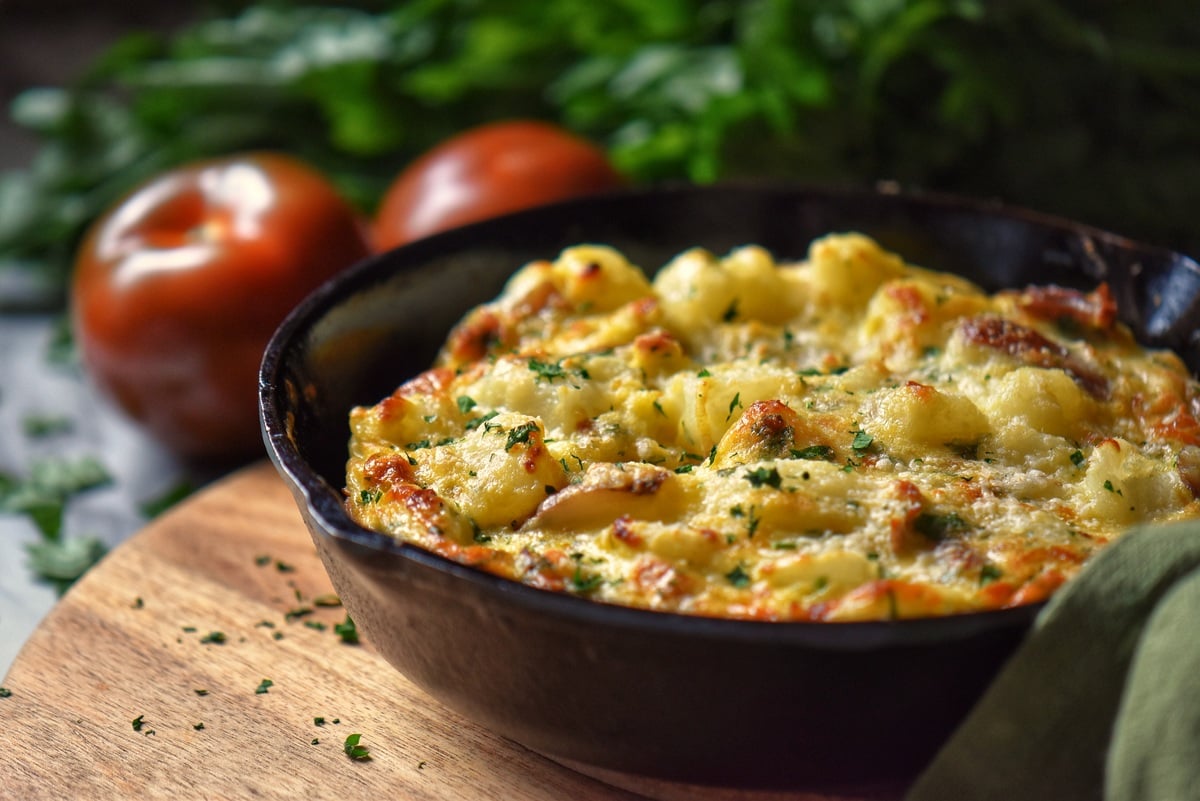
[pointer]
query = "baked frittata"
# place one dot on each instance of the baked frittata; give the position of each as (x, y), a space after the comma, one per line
(850, 437)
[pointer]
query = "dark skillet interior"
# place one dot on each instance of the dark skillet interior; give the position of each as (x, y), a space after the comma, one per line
(816, 707)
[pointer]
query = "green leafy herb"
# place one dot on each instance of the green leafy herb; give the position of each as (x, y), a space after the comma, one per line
(476, 422)
(862, 440)
(5, 692)
(738, 577)
(347, 631)
(139, 723)
(263, 687)
(214, 638)
(989, 573)
(736, 403)
(547, 370)
(200, 691)
(465, 403)
(43, 495)
(63, 561)
(262, 560)
(297, 612)
(813, 452)
(1077, 458)
(368, 497)
(938, 527)
(38, 425)
(327, 600)
(354, 749)
(198, 726)
(520, 435)
(585, 582)
(731, 312)
(764, 477)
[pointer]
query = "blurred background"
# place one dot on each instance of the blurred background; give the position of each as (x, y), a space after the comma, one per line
(1084, 108)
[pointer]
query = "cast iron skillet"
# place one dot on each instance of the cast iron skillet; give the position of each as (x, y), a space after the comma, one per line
(833, 707)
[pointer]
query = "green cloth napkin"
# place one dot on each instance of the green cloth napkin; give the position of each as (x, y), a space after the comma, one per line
(1102, 700)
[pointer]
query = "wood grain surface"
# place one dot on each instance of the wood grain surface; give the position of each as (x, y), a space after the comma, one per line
(135, 638)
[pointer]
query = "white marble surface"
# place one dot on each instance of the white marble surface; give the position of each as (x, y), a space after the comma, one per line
(140, 470)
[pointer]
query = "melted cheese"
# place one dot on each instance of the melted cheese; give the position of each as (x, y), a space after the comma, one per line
(850, 437)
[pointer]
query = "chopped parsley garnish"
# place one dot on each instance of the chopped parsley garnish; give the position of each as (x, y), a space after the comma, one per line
(284, 567)
(938, 526)
(520, 435)
(262, 560)
(328, 599)
(658, 407)
(315, 624)
(862, 440)
(762, 476)
(198, 726)
(368, 497)
(1077, 458)
(200, 691)
(347, 632)
(1108, 485)
(353, 748)
(547, 370)
(263, 687)
(814, 452)
(684, 468)
(736, 403)
(704, 373)
(319, 721)
(585, 582)
(731, 311)
(5, 692)
(139, 724)
(738, 577)
(465, 403)
(989, 573)
(214, 637)
(476, 422)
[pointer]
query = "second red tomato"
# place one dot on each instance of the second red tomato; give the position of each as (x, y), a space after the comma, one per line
(488, 171)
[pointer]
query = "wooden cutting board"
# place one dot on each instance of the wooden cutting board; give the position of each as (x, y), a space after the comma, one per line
(209, 628)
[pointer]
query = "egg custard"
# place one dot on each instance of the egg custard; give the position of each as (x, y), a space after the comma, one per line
(849, 437)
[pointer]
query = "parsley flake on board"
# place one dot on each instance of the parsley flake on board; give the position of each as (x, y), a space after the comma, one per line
(214, 637)
(346, 631)
(5, 692)
(354, 749)
(263, 687)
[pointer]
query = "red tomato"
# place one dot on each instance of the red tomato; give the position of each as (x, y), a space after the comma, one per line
(488, 171)
(178, 288)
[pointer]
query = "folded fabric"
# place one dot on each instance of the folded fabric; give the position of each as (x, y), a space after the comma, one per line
(1102, 700)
